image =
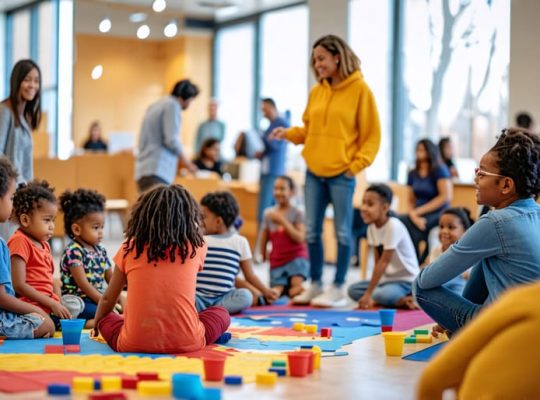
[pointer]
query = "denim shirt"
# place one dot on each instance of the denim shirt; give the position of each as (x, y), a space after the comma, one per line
(504, 243)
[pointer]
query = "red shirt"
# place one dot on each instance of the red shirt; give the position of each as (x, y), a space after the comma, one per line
(39, 265)
(160, 315)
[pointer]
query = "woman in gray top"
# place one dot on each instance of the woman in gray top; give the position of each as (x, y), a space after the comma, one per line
(20, 113)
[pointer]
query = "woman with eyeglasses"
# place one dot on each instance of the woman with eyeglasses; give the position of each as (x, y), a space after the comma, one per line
(501, 247)
(430, 192)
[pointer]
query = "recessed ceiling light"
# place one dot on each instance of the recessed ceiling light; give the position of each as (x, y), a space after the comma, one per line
(137, 17)
(105, 25)
(171, 29)
(159, 5)
(143, 32)
(97, 71)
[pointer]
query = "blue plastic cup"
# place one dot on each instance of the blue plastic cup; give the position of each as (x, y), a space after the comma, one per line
(387, 317)
(71, 330)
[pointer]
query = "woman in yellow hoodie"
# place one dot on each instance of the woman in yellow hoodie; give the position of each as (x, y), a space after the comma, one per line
(341, 137)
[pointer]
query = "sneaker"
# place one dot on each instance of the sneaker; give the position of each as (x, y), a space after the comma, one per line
(333, 297)
(307, 295)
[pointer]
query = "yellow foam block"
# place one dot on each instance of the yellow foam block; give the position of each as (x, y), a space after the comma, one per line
(83, 384)
(268, 378)
(298, 326)
(111, 383)
(154, 388)
(317, 359)
(424, 339)
(311, 328)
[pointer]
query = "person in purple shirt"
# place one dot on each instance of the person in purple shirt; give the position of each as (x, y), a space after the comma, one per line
(272, 158)
(430, 193)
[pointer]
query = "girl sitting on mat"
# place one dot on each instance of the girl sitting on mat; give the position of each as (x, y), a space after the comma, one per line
(396, 264)
(84, 267)
(163, 250)
(228, 252)
(18, 319)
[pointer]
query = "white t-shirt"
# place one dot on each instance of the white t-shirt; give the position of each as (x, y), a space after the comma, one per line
(222, 264)
(394, 236)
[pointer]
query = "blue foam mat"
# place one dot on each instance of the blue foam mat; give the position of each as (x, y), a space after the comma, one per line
(425, 354)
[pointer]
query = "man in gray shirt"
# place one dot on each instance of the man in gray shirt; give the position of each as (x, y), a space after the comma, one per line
(160, 148)
(211, 129)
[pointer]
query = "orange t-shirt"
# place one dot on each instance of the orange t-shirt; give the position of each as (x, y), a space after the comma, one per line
(160, 314)
(39, 265)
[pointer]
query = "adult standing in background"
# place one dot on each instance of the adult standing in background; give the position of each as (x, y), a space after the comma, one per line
(341, 137)
(20, 113)
(160, 148)
(210, 129)
(272, 157)
(95, 141)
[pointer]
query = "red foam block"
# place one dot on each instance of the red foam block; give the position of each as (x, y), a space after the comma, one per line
(130, 382)
(54, 349)
(326, 332)
(108, 396)
(148, 376)
(72, 348)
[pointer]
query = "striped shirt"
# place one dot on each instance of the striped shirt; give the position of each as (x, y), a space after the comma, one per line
(222, 264)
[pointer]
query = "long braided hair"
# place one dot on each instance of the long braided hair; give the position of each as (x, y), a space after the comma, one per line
(518, 154)
(165, 221)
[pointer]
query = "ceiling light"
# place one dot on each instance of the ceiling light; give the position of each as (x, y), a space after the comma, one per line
(97, 72)
(159, 5)
(171, 29)
(143, 32)
(137, 18)
(105, 25)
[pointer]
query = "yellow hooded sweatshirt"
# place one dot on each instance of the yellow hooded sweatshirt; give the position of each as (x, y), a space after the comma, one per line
(341, 127)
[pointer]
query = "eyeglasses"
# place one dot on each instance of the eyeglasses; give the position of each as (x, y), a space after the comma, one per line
(480, 173)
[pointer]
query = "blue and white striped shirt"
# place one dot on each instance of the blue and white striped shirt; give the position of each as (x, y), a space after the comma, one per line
(222, 264)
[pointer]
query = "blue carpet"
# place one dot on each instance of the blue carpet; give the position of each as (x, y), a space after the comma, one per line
(426, 354)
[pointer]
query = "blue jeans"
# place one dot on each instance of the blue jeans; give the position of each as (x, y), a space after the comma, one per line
(89, 311)
(318, 193)
(449, 309)
(266, 194)
(386, 294)
(234, 301)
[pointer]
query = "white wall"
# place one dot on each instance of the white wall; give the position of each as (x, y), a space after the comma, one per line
(2, 53)
(524, 60)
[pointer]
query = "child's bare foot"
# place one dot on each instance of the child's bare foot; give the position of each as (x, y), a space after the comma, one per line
(295, 290)
(408, 303)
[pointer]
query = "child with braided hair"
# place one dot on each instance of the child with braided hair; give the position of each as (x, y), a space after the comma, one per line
(501, 247)
(163, 250)
(84, 266)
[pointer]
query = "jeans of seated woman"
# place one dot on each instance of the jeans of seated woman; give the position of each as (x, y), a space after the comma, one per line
(449, 309)
(418, 235)
(319, 192)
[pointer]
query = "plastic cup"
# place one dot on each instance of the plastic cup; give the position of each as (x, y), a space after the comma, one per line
(311, 360)
(387, 317)
(393, 343)
(213, 368)
(71, 330)
(298, 363)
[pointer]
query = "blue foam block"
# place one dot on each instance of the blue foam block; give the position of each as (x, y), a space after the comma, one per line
(233, 380)
(58, 389)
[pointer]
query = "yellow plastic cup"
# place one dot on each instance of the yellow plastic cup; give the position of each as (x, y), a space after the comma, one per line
(393, 343)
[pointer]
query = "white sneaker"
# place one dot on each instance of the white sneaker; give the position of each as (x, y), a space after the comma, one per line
(307, 295)
(332, 297)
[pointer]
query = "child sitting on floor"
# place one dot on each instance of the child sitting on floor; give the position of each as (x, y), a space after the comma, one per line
(84, 267)
(283, 226)
(453, 222)
(32, 266)
(396, 264)
(18, 319)
(228, 252)
(159, 260)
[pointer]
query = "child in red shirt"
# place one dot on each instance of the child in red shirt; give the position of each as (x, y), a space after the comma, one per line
(32, 266)
(159, 260)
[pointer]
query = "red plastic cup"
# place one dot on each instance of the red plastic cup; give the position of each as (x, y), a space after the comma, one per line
(213, 368)
(299, 363)
(386, 328)
(311, 360)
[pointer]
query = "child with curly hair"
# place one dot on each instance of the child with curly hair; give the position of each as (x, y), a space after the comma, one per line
(32, 266)
(228, 252)
(159, 260)
(18, 319)
(501, 247)
(84, 267)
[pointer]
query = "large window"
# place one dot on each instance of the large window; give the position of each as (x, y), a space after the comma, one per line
(285, 66)
(456, 73)
(235, 81)
(374, 51)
